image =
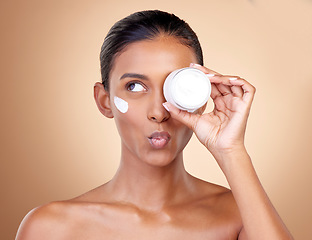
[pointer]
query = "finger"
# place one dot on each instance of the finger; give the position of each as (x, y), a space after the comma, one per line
(224, 79)
(224, 89)
(225, 86)
(215, 91)
(188, 119)
(219, 104)
(237, 91)
(217, 97)
(247, 88)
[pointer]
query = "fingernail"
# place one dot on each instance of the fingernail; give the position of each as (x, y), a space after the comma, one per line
(210, 75)
(166, 107)
(195, 64)
(232, 78)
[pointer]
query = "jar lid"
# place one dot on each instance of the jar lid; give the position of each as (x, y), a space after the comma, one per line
(191, 88)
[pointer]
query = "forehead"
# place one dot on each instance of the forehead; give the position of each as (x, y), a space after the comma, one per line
(161, 55)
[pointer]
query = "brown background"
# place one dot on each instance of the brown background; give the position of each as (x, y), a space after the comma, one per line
(55, 144)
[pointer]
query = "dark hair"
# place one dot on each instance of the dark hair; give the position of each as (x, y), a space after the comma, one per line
(140, 26)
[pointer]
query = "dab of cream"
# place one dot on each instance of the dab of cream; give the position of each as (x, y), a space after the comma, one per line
(121, 104)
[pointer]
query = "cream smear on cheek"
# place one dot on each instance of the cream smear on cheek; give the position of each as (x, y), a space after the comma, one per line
(121, 104)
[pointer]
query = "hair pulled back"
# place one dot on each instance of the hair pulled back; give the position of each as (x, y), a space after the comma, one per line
(144, 25)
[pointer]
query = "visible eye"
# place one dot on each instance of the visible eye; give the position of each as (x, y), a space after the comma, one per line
(135, 87)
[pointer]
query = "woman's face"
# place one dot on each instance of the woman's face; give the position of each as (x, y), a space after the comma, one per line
(147, 131)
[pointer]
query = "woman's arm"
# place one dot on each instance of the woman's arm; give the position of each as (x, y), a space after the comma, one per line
(260, 219)
(222, 132)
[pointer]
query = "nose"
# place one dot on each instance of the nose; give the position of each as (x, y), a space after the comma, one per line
(157, 112)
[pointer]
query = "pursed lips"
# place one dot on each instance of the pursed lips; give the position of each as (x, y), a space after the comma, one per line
(159, 139)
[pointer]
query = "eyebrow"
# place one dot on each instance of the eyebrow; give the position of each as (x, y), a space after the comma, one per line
(134, 75)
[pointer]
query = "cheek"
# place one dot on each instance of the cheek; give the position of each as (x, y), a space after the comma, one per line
(128, 114)
(132, 125)
(128, 108)
(121, 104)
(183, 136)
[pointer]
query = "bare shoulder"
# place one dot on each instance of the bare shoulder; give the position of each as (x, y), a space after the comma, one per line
(218, 202)
(212, 190)
(48, 221)
(68, 219)
(222, 194)
(221, 198)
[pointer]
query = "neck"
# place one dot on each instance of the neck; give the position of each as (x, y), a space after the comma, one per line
(148, 186)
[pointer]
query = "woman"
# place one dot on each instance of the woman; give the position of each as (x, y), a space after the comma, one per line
(152, 196)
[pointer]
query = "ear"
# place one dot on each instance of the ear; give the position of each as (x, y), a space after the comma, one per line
(101, 97)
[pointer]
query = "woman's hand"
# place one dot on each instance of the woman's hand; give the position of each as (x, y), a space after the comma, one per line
(223, 129)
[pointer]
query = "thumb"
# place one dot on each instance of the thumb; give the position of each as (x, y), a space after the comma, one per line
(188, 119)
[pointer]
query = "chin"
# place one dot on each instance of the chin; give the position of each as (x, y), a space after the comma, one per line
(160, 159)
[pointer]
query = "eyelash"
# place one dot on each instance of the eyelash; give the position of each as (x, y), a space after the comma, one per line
(135, 82)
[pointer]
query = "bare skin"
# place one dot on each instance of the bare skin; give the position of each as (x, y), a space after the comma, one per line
(152, 196)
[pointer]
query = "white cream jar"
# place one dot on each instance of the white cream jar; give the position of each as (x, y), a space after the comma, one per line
(187, 88)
